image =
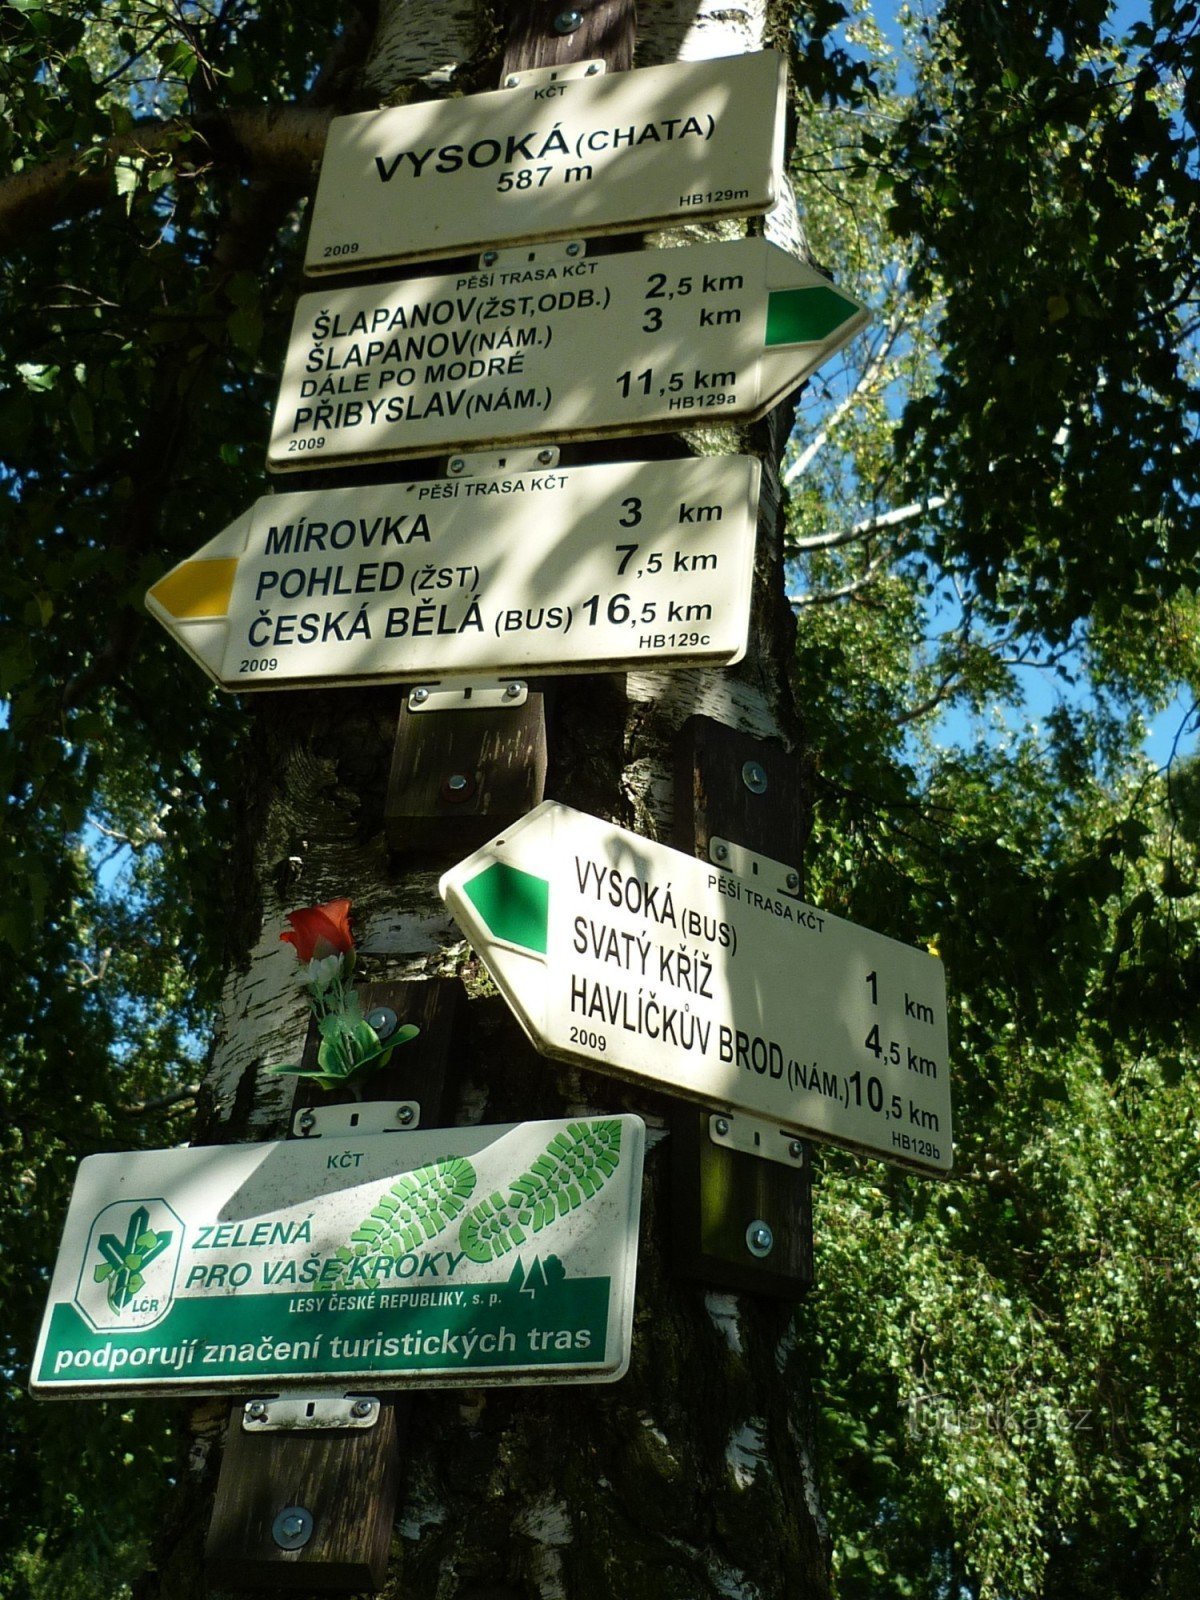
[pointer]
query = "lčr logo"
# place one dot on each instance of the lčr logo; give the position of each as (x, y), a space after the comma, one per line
(128, 1274)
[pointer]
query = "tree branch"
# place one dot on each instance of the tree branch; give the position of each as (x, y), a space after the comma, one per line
(177, 1098)
(282, 142)
(869, 375)
(860, 530)
(91, 975)
(946, 687)
(821, 597)
(134, 842)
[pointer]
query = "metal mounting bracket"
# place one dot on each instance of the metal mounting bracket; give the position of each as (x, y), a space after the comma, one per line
(552, 254)
(773, 877)
(755, 1138)
(310, 1413)
(367, 1116)
(539, 77)
(469, 695)
(487, 464)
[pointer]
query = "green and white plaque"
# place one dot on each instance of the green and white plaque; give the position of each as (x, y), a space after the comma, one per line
(476, 1256)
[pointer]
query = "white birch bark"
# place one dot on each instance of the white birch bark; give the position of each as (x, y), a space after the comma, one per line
(264, 1017)
(535, 1493)
(424, 42)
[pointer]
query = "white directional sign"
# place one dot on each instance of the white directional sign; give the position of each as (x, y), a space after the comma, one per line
(651, 339)
(647, 963)
(426, 1260)
(566, 570)
(594, 154)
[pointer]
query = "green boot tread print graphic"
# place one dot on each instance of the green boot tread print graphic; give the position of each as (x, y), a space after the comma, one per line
(572, 1168)
(421, 1204)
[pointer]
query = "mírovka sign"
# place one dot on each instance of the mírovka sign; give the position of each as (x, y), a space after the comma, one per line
(595, 154)
(578, 569)
(642, 341)
(650, 964)
(455, 1256)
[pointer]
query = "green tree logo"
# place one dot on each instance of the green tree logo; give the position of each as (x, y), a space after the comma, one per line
(122, 1270)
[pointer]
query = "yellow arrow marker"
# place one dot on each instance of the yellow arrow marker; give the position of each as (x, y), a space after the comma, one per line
(196, 589)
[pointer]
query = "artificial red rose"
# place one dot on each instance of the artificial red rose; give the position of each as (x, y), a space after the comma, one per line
(320, 931)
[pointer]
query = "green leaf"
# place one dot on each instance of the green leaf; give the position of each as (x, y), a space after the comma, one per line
(16, 420)
(334, 1058)
(246, 329)
(126, 175)
(244, 289)
(363, 1039)
(177, 57)
(38, 376)
(80, 411)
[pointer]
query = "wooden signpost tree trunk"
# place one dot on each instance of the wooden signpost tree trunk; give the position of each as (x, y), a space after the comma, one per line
(693, 1476)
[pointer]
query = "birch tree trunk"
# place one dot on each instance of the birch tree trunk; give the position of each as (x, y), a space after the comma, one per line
(691, 1478)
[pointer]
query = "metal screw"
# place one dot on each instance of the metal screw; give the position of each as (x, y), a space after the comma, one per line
(512, 690)
(418, 697)
(292, 1528)
(574, 247)
(593, 67)
(721, 852)
(754, 776)
(796, 1150)
(307, 1123)
(545, 457)
(490, 257)
(384, 1020)
(404, 1115)
(511, 81)
(722, 1126)
(457, 787)
(568, 21)
(793, 880)
(457, 464)
(257, 1411)
(760, 1241)
(361, 1408)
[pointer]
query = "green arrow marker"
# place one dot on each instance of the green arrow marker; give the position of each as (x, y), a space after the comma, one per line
(805, 316)
(514, 905)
